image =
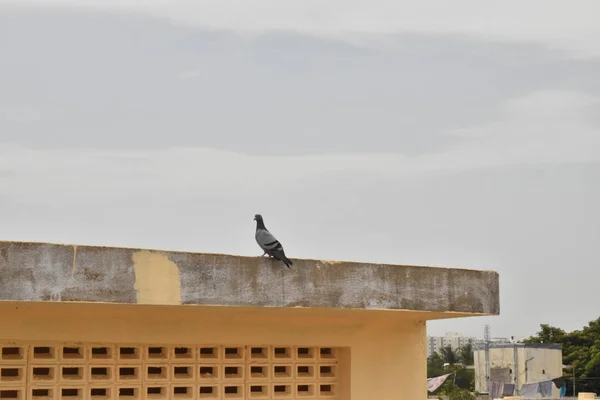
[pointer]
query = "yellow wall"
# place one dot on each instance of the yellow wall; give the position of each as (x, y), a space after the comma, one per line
(387, 350)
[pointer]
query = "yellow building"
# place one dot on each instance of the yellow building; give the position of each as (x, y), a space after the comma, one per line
(99, 323)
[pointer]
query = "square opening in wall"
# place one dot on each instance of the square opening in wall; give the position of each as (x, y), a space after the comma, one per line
(42, 393)
(327, 353)
(305, 390)
(282, 390)
(156, 372)
(305, 353)
(282, 371)
(129, 393)
(280, 353)
(71, 373)
(183, 392)
(43, 373)
(43, 353)
(233, 371)
(208, 353)
(11, 374)
(208, 372)
(129, 373)
(72, 353)
(129, 353)
(259, 371)
(305, 371)
(233, 353)
(13, 394)
(258, 391)
(100, 393)
(326, 390)
(183, 353)
(259, 353)
(183, 372)
(156, 392)
(232, 392)
(157, 352)
(100, 373)
(208, 391)
(101, 353)
(12, 353)
(327, 371)
(71, 393)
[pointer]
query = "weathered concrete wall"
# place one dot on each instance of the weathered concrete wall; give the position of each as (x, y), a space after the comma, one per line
(535, 362)
(51, 272)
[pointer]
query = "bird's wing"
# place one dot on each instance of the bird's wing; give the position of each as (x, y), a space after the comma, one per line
(266, 240)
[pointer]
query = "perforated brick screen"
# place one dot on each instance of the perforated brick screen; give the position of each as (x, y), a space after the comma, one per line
(131, 372)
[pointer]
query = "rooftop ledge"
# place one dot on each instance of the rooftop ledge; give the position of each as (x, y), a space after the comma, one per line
(74, 273)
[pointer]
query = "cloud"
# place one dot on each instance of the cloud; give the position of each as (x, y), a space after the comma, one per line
(559, 131)
(276, 94)
(561, 25)
(541, 127)
(191, 74)
(18, 114)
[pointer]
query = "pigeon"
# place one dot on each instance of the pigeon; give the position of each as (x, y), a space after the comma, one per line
(269, 243)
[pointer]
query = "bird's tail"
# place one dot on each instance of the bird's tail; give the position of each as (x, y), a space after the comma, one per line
(287, 262)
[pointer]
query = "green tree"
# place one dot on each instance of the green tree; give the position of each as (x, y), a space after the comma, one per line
(465, 354)
(465, 378)
(448, 355)
(462, 378)
(581, 352)
(435, 366)
(456, 393)
(548, 334)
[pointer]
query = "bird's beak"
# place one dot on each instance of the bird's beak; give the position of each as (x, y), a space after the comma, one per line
(254, 219)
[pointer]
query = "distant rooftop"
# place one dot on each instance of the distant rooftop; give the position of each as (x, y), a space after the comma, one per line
(77, 273)
(496, 345)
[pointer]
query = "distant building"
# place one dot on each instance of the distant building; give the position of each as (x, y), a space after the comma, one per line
(501, 340)
(453, 339)
(534, 362)
(434, 345)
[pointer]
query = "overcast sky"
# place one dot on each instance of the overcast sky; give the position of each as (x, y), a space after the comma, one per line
(459, 134)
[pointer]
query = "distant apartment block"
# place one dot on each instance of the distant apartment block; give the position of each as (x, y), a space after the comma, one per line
(455, 340)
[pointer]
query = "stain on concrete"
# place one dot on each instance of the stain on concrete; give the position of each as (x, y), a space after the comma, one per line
(156, 278)
(74, 260)
(42, 272)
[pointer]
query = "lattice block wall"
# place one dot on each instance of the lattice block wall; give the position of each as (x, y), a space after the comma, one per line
(133, 372)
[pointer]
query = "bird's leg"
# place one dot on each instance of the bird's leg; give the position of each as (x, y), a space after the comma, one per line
(264, 253)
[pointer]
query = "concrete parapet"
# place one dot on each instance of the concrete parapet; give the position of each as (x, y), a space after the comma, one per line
(68, 273)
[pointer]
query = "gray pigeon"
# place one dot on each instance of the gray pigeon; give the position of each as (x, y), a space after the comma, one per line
(269, 243)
